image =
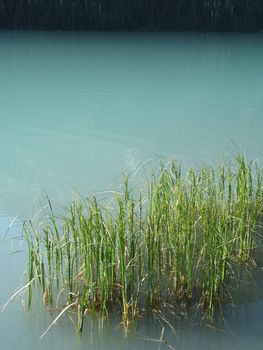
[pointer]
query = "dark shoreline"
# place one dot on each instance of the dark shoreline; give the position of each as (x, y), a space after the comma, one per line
(133, 15)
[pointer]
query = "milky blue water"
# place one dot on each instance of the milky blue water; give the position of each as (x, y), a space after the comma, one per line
(76, 110)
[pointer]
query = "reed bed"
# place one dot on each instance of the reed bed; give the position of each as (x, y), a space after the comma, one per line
(178, 240)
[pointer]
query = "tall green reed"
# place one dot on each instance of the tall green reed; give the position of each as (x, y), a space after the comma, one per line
(179, 240)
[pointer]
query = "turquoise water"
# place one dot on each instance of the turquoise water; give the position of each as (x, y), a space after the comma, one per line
(76, 110)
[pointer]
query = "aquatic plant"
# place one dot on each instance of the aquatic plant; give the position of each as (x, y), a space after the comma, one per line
(178, 240)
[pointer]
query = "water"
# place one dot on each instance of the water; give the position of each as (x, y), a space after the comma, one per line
(78, 109)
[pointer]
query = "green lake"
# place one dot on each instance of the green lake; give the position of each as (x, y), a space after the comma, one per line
(78, 109)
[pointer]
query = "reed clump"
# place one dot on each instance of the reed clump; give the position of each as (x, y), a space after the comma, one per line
(179, 240)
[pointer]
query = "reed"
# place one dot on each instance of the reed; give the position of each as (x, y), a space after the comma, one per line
(179, 240)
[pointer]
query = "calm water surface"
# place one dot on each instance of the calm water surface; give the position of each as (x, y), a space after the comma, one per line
(78, 109)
